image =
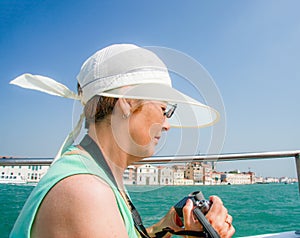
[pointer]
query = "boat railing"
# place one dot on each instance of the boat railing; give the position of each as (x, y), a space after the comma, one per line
(181, 159)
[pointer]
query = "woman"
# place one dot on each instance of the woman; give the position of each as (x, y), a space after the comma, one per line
(128, 100)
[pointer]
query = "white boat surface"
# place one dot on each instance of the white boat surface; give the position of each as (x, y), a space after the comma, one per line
(287, 234)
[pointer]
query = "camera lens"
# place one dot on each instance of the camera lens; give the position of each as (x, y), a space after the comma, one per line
(199, 196)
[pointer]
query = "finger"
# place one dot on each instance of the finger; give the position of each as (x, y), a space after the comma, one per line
(178, 220)
(227, 232)
(188, 213)
(228, 219)
(174, 218)
(217, 205)
(231, 231)
(215, 199)
(217, 211)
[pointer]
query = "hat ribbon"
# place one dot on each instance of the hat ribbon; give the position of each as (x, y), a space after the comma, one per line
(52, 87)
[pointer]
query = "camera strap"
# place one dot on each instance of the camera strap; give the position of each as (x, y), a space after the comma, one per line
(208, 229)
(182, 232)
(92, 148)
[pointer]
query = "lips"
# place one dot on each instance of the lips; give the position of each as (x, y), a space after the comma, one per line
(156, 138)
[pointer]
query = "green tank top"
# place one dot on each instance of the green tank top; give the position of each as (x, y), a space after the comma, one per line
(72, 162)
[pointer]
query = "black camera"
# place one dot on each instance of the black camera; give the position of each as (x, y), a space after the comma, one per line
(201, 207)
(197, 199)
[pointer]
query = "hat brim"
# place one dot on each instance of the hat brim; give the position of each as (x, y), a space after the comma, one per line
(189, 112)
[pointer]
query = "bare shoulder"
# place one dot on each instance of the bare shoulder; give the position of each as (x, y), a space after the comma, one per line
(79, 206)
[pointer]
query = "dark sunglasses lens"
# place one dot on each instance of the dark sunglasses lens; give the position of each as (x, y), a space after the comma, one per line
(171, 111)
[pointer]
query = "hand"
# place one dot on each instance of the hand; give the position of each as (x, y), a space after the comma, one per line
(190, 221)
(219, 218)
(170, 220)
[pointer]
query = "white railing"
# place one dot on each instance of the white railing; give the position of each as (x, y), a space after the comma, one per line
(180, 159)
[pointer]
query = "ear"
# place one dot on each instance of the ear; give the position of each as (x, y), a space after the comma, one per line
(125, 106)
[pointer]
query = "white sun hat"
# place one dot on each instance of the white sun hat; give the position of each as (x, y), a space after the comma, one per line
(125, 71)
(129, 71)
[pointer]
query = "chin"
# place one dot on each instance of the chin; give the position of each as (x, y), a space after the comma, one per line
(146, 152)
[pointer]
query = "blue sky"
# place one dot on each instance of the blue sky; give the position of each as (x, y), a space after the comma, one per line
(251, 49)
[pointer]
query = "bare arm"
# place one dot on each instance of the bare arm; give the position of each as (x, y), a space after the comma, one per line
(79, 206)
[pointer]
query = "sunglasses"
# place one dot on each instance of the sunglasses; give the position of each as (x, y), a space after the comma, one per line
(170, 110)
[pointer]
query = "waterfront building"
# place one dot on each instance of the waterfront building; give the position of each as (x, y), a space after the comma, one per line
(179, 176)
(188, 182)
(189, 171)
(236, 177)
(25, 173)
(200, 172)
(183, 182)
(215, 178)
(284, 180)
(259, 179)
(189, 174)
(165, 176)
(195, 171)
(271, 180)
(287, 180)
(147, 174)
(129, 176)
(207, 173)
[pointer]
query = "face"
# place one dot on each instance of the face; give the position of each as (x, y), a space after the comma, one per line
(147, 123)
(139, 133)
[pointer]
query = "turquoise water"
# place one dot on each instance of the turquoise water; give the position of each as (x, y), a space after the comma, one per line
(256, 209)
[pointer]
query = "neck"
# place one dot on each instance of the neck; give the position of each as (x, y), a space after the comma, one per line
(116, 159)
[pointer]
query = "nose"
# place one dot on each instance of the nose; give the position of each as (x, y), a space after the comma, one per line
(166, 125)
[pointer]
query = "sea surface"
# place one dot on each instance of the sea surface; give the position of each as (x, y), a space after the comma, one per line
(256, 209)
